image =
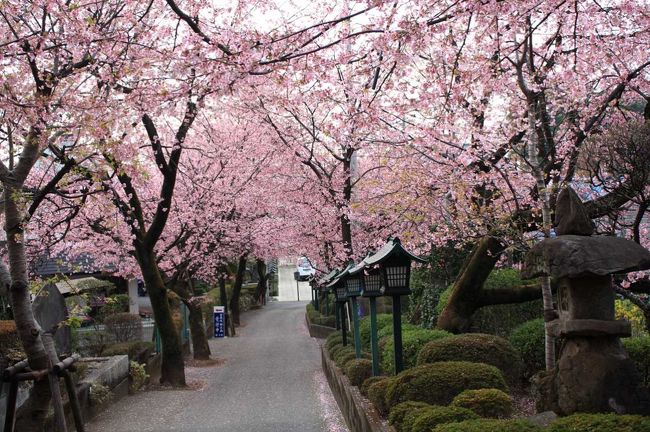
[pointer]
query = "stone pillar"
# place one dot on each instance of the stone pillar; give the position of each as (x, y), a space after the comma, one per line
(134, 305)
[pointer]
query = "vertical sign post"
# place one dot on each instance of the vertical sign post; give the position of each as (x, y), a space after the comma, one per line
(296, 276)
(219, 313)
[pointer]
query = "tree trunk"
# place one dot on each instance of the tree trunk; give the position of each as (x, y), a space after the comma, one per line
(32, 414)
(172, 370)
(463, 301)
(262, 285)
(236, 289)
(197, 332)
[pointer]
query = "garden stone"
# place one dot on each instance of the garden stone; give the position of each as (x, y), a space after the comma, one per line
(51, 312)
(593, 372)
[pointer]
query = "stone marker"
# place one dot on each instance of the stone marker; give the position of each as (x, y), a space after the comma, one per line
(50, 310)
(134, 305)
(594, 372)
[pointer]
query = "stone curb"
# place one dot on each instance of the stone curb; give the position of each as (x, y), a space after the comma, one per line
(359, 413)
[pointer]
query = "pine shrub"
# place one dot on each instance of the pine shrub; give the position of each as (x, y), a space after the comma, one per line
(358, 370)
(399, 411)
(439, 383)
(377, 394)
(528, 341)
(489, 425)
(490, 403)
(370, 381)
(474, 347)
(412, 342)
(601, 423)
(429, 418)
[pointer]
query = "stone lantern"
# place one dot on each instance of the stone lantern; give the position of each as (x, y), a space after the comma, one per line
(593, 372)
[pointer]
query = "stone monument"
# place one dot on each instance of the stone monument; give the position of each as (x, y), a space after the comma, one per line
(50, 311)
(593, 372)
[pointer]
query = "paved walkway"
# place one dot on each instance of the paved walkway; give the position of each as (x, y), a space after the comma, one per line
(271, 382)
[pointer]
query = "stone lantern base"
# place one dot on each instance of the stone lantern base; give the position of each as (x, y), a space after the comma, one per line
(593, 374)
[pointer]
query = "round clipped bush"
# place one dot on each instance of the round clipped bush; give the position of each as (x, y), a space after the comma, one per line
(358, 370)
(439, 383)
(474, 347)
(489, 425)
(411, 417)
(429, 418)
(335, 349)
(368, 382)
(327, 321)
(388, 330)
(639, 350)
(344, 356)
(490, 403)
(333, 339)
(399, 411)
(528, 341)
(412, 342)
(377, 395)
(383, 320)
(600, 423)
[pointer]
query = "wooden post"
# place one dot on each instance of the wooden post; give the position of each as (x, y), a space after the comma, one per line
(374, 345)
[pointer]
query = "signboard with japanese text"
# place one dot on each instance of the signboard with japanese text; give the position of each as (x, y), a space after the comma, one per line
(219, 313)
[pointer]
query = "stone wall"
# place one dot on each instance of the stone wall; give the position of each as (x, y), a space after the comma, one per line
(358, 412)
(318, 331)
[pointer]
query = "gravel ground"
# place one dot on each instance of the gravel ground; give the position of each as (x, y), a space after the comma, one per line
(270, 380)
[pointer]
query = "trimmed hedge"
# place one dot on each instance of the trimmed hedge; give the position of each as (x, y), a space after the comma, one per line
(335, 350)
(377, 394)
(489, 425)
(388, 330)
(358, 370)
(333, 339)
(490, 403)
(412, 342)
(368, 382)
(411, 417)
(601, 423)
(399, 411)
(528, 341)
(383, 320)
(315, 317)
(438, 383)
(344, 356)
(639, 350)
(429, 418)
(474, 347)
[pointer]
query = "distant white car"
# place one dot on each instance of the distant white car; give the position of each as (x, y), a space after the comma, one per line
(305, 269)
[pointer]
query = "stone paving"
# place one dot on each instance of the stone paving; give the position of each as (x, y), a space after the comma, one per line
(271, 380)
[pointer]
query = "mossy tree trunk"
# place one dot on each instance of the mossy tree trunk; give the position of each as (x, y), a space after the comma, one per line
(468, 293)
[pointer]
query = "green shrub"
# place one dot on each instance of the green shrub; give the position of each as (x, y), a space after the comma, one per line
(490, 403)
(639, 350)
(412, 343)
(336, 349)
(358, 370)
(383, 320)
(439, 383)
(327, 321)
(388, 330)
(333, 339)
(488, 425)
(368, 382)
(429, 418)
(344, 356)
(411, 417)
(399, 411)
(601, 423)
(474, 347)
(136, 350)
(137, 376)
(11, 349)
(528, 341)
(377, 394)
(498, 319)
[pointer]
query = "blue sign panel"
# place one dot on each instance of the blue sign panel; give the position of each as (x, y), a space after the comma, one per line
(219, 321)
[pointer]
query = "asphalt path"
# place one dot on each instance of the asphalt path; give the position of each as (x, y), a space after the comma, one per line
(288, 289)
(271, 380)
